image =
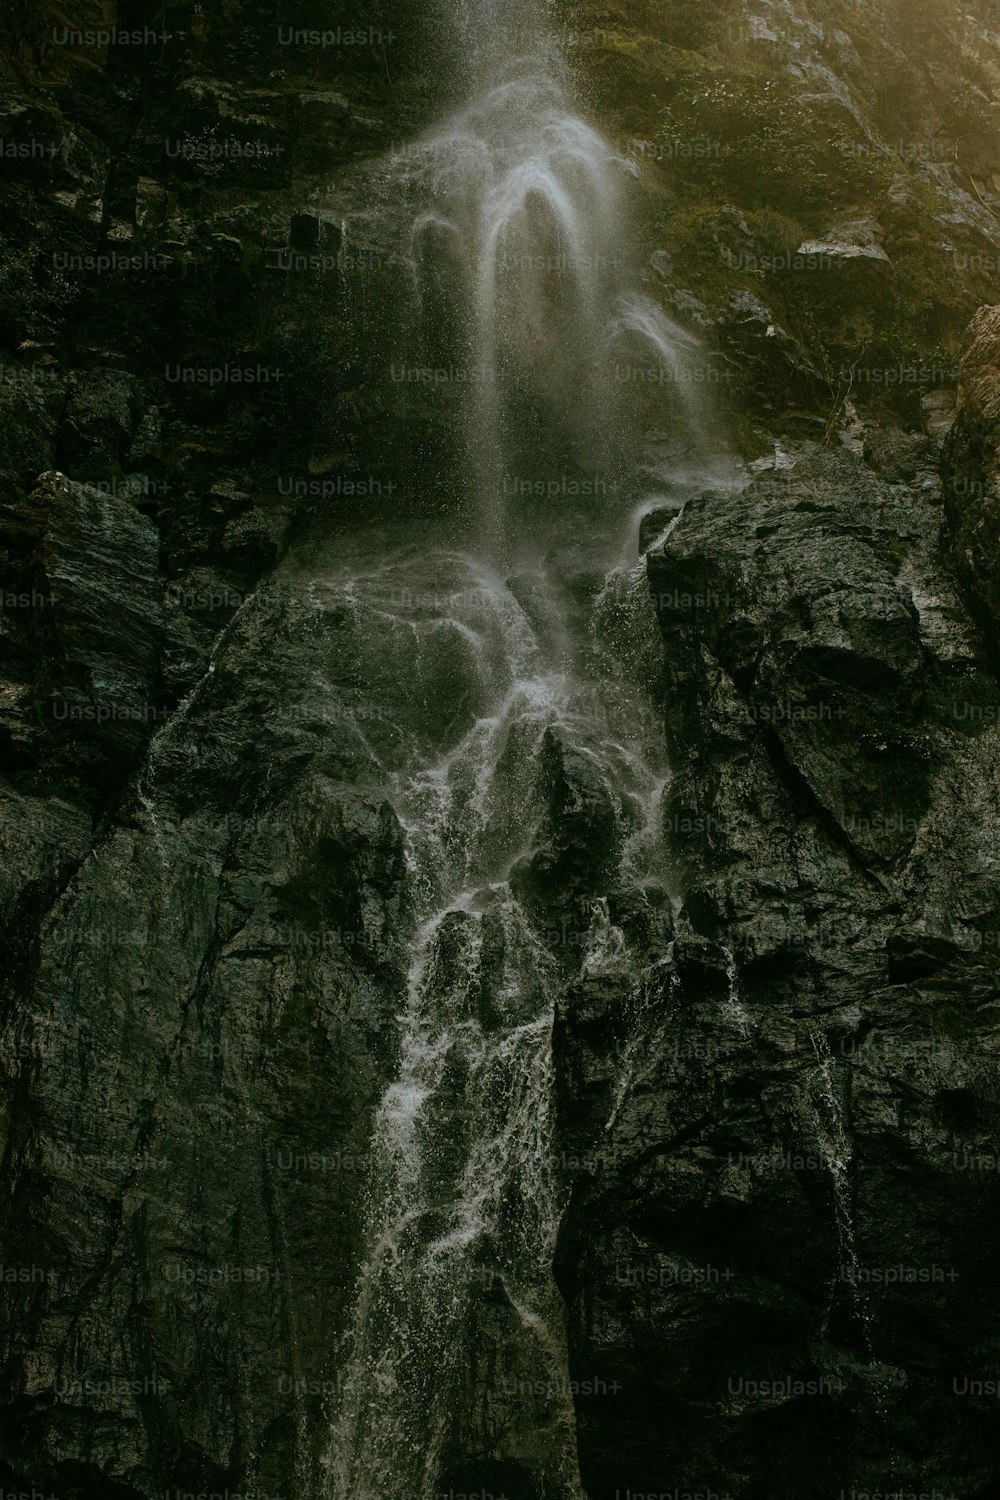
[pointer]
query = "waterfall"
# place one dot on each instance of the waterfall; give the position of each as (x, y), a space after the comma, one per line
(523, 722)
(527, 213)
(493, 36)
(464, 1199)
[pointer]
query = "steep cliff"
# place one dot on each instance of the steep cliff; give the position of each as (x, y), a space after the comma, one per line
(775, 1074)
(784, 1248)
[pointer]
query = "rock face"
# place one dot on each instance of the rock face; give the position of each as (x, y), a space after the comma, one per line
(781, 1249)
(201, 1022)
(775, 1114)
(776, 1094)
(835, 166)
(91, 606)
(972, 472)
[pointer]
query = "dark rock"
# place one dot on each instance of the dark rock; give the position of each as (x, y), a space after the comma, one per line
(98, 423)
(839, 661)
(147, 444)
(898, 457)
(750, 1170)
(770, 360)
(315, 231)
(31, 397)
(94, 569)
(972, 472)
(238, 1033)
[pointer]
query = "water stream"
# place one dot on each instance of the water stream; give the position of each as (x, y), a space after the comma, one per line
(512, 656)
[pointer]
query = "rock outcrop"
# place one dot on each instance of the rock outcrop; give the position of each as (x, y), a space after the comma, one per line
(779, 1257)
(199, 1024)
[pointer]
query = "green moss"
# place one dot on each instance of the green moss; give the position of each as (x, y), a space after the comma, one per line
(766, 149)
(722, 120)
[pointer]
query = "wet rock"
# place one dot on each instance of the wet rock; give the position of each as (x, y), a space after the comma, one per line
(817, 1057)
(972, 472)
(580, 834)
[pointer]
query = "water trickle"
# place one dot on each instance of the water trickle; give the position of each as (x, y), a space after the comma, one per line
(734, 1009)
(835, 1152)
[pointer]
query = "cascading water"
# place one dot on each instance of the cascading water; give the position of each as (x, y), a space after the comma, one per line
(465, 1199)
(524, 220)
(526, 766)
(525, 203)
